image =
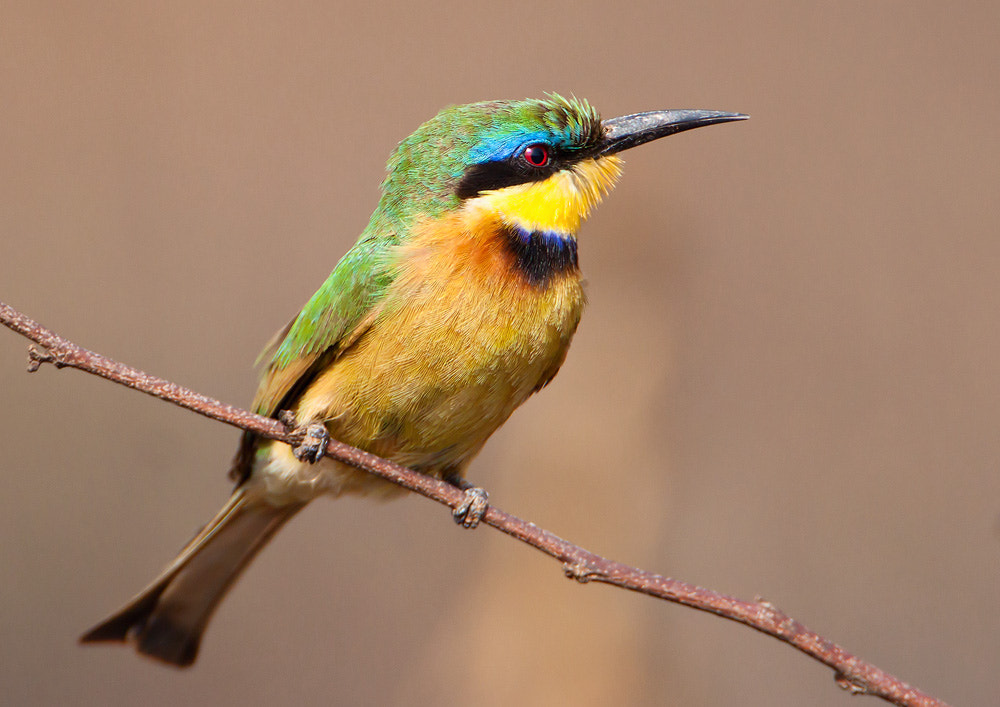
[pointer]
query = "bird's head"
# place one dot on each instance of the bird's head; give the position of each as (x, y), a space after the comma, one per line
(536, 164)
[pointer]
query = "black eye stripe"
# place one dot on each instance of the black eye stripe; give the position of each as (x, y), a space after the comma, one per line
(507, 173)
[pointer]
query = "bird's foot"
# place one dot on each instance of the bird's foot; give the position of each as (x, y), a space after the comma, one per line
(473, 507)
(310, 439)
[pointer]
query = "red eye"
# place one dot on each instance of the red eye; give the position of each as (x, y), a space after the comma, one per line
(537, 155)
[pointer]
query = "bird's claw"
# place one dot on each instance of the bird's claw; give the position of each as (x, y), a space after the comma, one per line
(312, 446)
(308, 441)
(473, 507)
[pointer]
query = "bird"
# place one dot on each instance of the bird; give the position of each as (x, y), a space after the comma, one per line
(457, 302)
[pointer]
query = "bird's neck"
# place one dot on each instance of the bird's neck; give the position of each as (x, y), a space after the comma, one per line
(480, 245)
(540, 255)
(526, 231)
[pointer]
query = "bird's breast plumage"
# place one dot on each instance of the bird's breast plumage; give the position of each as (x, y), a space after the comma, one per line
(461, 338)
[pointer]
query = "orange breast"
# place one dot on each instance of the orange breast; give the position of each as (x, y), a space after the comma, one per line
(462, 338)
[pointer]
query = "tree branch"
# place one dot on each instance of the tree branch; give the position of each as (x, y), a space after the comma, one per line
(850, 672)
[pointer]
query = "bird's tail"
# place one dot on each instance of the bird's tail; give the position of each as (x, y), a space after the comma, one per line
(166, 620)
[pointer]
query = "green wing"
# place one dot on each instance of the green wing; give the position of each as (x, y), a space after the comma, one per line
(331, 320)
(328, 322)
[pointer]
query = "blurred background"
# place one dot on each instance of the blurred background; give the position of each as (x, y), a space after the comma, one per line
(787, 383)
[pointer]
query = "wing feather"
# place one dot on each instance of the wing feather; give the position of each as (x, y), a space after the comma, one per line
(328, 322)
(343, 308)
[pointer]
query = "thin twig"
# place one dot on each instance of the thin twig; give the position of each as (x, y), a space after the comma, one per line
(850, 672)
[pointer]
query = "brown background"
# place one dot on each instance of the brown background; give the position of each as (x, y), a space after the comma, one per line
(786, 384)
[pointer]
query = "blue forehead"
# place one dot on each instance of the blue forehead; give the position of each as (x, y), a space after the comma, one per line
(497, 147)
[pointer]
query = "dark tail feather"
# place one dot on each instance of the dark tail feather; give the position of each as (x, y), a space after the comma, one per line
(166, 620)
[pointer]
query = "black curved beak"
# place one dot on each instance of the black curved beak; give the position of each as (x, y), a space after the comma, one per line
(639, 128)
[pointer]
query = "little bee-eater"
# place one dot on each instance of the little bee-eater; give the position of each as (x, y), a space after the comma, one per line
(458, 301)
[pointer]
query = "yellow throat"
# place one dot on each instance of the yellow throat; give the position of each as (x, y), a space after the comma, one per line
(554, 205)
